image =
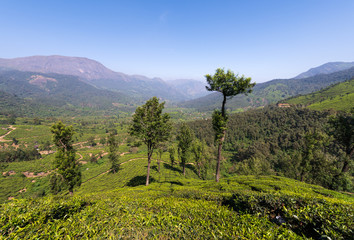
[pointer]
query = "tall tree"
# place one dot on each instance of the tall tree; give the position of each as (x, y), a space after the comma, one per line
(113, 146)
(184, 138)
(161, 148)
(65, 162)
(151, 126)
(172, 152)
(229, 85)
(199, 152)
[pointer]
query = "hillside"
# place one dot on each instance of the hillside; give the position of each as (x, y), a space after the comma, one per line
(116, 205)
(244, 204)
(326, 68)
(96, 74)
(271, 92)
(48, 91)
(339, 97)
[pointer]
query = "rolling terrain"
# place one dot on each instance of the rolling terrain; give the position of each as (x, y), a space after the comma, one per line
(339, 97)
(172, 206)
(271, 92)
(96, 74)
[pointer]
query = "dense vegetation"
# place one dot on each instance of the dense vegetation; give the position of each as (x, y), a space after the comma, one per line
(28, 93)
(276, 140)
(339, 96)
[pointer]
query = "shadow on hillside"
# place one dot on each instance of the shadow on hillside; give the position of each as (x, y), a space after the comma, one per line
(168, 166)
(174, 182)
(192, 167)
(139, 180)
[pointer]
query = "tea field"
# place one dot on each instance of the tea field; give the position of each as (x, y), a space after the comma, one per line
(173, 206)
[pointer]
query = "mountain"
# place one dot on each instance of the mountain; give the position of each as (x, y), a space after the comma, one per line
(56, 90)
(96, 74)
(326, 68)
(271, 92)
(339, 96)
(190, 88)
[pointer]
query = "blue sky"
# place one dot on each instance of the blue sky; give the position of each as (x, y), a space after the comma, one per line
(175, 39)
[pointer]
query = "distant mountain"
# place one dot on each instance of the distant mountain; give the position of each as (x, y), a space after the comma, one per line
(96, 74)
(326, 68)
(190, 88)
(56, 90)
(271, 92)
(339, 96)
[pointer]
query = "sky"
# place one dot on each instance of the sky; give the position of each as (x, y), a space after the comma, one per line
(183, 39)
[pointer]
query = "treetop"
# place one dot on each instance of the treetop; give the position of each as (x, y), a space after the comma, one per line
(228, 83)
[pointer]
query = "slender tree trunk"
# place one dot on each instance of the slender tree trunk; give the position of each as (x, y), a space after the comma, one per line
(345, 166)
(217, 175)
(184, 168)
(158, 164)
(148, 169)
(198, 166)
(223, 106)
(223, 113)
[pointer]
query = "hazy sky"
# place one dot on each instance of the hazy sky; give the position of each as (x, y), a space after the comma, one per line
(173, 39)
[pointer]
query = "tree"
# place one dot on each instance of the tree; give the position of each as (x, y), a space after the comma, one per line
(151, 127)
(113, 147)
(342, 128)
(229, 85)
(184, 138)
(172, 152)
(199, 152)
(161, 148)
(67, 167)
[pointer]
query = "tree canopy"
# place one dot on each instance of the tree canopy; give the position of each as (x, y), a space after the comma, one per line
(229, 85)
(151, 126)
(67, 167)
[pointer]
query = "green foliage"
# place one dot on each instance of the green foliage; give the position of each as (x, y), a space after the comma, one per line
(343, 133)
(113, 146)
(172, 152)
(68, 167)
(276, 90)
(272, 141)
(310, 217)
(219, 123)
(185, 137)
(18, 155)
(200, 156)
(151, 126)
(190, 209)
(339, 97)
(228, 83)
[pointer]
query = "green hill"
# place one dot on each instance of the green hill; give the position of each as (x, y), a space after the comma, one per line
(174, 207)
(57, 95)
(339, 97)
(271, 92)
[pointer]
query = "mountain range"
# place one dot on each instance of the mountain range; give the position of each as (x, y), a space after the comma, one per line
(274, 90)
(96, 74)
(75, 82)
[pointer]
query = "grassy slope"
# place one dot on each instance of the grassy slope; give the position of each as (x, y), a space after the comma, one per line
(119, 205)
(173, 206)
(338, 97)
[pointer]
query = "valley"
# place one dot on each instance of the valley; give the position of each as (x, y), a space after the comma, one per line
(286, 172)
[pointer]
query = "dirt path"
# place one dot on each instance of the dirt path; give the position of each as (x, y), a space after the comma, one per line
(2, 137)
